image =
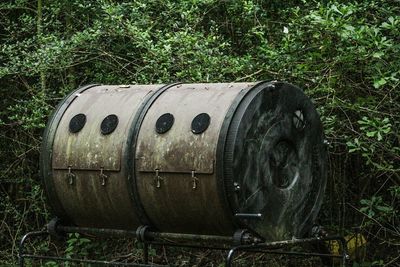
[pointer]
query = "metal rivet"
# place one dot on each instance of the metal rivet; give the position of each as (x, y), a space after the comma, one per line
(236, 187)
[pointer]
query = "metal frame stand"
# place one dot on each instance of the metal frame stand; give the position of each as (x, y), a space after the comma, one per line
(267, 248)
(242, 241)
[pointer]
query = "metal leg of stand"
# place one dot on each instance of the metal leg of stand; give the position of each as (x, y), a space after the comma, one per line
(343, 246)
(260, 248)
(229, 258)
(145, 253)
(21, 259)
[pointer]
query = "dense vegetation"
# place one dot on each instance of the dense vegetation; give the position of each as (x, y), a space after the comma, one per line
(345, 54)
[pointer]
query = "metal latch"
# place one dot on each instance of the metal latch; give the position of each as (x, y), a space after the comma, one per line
(194, 180)
(158, 178)
(70, 176)
(103, 177)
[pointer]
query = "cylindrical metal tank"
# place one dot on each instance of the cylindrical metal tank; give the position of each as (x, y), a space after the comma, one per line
(186, 158)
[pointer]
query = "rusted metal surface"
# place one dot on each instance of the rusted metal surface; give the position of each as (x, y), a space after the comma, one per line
(174, 205)
(98, 194)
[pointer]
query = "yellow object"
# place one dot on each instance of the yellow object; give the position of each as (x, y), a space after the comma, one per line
(356, 244)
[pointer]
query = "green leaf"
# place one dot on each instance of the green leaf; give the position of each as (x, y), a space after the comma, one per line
(379, 135)
(371, 134)
(384, 209)
(334, 8)
(378, 54)
(379, 83)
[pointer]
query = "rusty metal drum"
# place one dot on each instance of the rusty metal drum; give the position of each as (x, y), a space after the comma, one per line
(187, 158)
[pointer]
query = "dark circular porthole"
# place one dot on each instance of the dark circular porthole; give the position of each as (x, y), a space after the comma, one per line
(164, 123)
(77, 122)
(200, 123)
(109, 124)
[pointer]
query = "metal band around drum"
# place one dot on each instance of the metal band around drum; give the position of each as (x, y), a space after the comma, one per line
(130, 151)
(225, 180)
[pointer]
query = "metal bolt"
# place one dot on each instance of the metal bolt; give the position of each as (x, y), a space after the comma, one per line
(236, 186)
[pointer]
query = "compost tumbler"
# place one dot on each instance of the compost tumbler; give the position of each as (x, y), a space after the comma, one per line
(186, 158)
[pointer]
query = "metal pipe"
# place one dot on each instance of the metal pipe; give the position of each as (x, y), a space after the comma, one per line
(149, 234)
(190, 237)
(189, 246)
(248, 215)
(97, 231)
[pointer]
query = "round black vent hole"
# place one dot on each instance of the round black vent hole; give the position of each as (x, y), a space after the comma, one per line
(200, 123)
(164, 123)
(109, 124)
(77, 123)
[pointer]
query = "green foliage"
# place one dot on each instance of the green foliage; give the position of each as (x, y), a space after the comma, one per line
(345, 54)
(376, 208)
(375, 128)
(77, 246)
(30, 114)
